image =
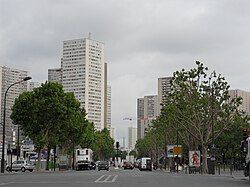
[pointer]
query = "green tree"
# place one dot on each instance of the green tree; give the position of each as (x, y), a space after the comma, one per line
(201, 105)
(47, 115)
(228, 142)
(103, 145)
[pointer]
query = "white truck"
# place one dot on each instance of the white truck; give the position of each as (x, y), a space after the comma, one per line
(145, 164)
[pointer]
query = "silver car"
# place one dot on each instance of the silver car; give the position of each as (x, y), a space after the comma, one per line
(21, 165)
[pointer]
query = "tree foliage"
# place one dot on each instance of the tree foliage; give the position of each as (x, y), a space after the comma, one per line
(51, 117)
(198, 113)
(103, 145)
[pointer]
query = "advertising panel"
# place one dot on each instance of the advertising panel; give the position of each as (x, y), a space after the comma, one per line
(194, 158)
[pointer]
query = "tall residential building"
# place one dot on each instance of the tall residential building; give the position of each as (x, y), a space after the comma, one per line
(83, 73)
(113, 133)
(245, 106)
(108, 108)
(132, 137)
(55, 75)
(147, 110)
(9, 76)
(164, 87)
(34, 85)
(140, 115)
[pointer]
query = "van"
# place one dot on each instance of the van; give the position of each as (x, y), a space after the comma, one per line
(145, 164)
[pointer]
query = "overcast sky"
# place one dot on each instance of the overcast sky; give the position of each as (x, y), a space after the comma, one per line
(144, 40)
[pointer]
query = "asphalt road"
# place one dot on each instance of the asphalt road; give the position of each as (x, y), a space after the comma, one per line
(118, 178)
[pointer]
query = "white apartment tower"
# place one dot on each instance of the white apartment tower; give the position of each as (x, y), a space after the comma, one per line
(147, 110)
(108, 120)
(55, 75)
(132, 137)
(33, 85)
(9, 76)
(164, 87)
(113, 133)
(83, 73)
(245, 106)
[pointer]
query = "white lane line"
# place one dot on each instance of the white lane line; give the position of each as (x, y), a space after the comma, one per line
(114, 179)
(3, 184)
(98, 180)
(106, 180)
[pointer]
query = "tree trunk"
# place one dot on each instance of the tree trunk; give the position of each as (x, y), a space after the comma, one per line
(204, 159)
(48, 158)
(38, 164)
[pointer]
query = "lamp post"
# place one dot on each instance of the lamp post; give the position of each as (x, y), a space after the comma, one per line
(18, 145)
(4, 116)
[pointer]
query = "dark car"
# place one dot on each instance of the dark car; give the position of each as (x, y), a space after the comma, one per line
(82, 165)
(103, 165)
(92, 166)
(128, 165)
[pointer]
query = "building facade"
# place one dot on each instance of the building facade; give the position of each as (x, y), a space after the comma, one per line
(55, 75)
(132, 137)
(147, 110)
(245, 106)
(9, 76)
(83, 73)
(108, 114)
(164, 87)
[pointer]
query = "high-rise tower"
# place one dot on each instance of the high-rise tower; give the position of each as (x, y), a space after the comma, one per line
(9, 76)
(83, 73)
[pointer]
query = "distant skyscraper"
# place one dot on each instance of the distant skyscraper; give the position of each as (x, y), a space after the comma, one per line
(9, 76)
(132, 137)
(140, 115)
(55, 75)
(113, 133)
(34, 85)
(147, 110)
(83, 73)
(108, 119)
(164, 87)
(245, 106)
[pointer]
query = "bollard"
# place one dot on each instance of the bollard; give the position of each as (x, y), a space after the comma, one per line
(219, 168)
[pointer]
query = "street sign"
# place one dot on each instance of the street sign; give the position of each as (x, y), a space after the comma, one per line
(170, 151)
(177, 150)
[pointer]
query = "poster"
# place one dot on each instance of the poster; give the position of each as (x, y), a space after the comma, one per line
(194, 158)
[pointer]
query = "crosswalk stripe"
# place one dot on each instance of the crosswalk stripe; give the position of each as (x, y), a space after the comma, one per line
(106, 178)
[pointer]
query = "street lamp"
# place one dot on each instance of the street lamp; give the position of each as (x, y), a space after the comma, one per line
(4, 116)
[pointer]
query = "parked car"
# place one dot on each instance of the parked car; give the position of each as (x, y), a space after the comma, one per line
(128, 165)
(103, 165)
(21, 165)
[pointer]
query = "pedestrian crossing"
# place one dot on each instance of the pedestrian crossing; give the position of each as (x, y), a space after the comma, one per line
(107, 179)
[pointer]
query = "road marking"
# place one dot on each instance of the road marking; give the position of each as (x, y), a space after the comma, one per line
(3, 184)
(107, 178)
(100, 178)
(114, 179)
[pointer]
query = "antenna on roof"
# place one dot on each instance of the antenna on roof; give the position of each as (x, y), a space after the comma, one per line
(89, 35)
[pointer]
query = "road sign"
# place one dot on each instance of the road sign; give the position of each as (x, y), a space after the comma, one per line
(177, 150)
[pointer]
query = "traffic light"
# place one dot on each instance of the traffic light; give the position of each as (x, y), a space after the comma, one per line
(245, 136)
(117, 145)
